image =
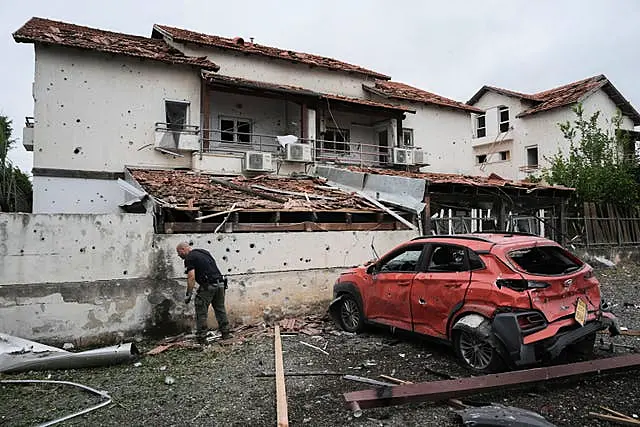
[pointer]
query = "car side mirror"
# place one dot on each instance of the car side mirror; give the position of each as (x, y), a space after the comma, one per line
(372, 269)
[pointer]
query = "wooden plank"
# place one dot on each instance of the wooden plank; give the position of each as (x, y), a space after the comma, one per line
(292, 193)
(614, 419)
(210, 227)
(281, 392)
(247, 190)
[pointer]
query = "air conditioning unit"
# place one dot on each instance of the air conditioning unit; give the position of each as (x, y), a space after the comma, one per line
(255, 161)
(419, 157)
(298, 152)
(403, 156)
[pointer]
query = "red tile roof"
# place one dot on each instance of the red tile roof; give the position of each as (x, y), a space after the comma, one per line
(565, 95)
(40, 30)
(236, 81)
(403, 91)
(239, 45)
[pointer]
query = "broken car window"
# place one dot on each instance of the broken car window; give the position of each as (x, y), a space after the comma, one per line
(446, 258)
(545, 260)
(406, 261)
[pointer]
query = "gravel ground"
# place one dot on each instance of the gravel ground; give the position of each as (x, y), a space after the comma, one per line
(219, 385)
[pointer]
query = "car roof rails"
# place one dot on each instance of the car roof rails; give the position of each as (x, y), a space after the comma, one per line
(507, 233)
(454, 236)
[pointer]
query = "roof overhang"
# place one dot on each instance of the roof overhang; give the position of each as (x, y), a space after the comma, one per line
(217, 80)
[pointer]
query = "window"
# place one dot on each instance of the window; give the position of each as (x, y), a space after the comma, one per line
(503, 117)
(532, 156)
(481, 126)
(447, 258)
(176, 115)
(405, 261)
(505, 155)
(235, 130)
(545, 260)
(475, 263)
(481, 158)
(336, 140)
(407, 137)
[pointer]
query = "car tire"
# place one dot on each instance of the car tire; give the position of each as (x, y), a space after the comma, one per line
(475, 348)
(350, 316)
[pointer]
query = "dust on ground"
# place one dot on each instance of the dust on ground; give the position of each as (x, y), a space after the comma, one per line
(222, 385)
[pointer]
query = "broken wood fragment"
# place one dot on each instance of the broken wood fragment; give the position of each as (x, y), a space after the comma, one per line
(301, 374)
(368, 381)
(281, 393)
(313, 346)
(248, 190)
(614, 419)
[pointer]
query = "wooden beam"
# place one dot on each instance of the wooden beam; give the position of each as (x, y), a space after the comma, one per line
(210, 227)
(426, 213)
(248, 190)
(205, 107)
(281, 392)
(292, 193)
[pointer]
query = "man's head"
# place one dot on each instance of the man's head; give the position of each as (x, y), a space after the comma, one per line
(183, 249)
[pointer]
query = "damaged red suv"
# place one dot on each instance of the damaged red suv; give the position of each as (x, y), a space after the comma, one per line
(502, 300)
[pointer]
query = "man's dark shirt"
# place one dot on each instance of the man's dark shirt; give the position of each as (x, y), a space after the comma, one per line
(205, 266)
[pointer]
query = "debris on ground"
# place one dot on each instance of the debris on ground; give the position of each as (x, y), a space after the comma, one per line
(615, 417)
(18, 354)
(500, 415)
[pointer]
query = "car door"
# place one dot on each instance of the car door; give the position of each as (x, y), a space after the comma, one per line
(439, 288)
(388, 300)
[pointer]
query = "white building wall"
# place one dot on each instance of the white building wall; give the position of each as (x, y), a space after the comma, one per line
(76, 195)
(540, 130)
(444, 134)
(272, 70)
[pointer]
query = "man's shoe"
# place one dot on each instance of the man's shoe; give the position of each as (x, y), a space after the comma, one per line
(226, 335)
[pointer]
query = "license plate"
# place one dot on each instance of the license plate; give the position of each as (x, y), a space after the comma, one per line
(581, 312)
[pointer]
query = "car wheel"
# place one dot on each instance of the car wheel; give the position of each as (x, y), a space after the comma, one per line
(350, 314)
(475, 350)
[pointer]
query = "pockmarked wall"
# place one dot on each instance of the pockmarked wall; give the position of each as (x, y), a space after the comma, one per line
(94, 278)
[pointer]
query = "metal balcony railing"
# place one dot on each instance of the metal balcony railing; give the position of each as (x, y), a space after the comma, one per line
(29, 122)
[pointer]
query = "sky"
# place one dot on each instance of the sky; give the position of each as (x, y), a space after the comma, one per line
(449, 47)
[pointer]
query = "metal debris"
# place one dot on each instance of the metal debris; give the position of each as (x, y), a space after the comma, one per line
(102, 394)
(500, 415)
(18, 354)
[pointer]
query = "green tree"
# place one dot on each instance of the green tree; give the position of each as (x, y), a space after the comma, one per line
(595, 165)
(16, 191)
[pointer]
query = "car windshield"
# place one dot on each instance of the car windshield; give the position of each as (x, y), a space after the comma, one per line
(545, 260)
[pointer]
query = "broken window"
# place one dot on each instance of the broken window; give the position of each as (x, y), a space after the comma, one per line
(503, 114)
(176, 113)
(532, 156)
(505, 155)
(448, 258)
(481, 126)
(407, 260)
(481, 158)
(545, 260)
(236, 130)
(407, 137)
(336, 140)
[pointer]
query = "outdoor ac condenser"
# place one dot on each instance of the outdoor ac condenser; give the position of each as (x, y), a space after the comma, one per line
(298, 152)
(419, 157)
(403, 156)
(255, 161)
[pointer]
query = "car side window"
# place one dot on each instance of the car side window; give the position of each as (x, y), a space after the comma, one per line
(404, 261)
(475, 263)
(448, 258)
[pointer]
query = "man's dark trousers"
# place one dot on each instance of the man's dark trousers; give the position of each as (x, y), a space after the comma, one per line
(211, 295)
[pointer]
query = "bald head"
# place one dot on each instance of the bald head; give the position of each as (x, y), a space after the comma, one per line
(183, 249)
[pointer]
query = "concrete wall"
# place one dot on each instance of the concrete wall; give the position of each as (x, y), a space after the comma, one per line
(260, 68)
(87, 278)
(537, 130)
(76, 195)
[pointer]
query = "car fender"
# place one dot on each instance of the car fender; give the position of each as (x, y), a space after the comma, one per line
(341, 289)
(481, 324)
(471, 320)
(468, 309)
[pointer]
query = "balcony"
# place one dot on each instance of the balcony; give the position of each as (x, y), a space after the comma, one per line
(27, 133)
(171, 138)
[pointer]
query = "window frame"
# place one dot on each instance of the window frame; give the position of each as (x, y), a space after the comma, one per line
(410, 132)
(346, 145)
(501, 121)
(526, 151)
(234, 132)
(432, 247)
(187, 115)
(507, 155)
(478, 128)
(486, 159)
(376, 268)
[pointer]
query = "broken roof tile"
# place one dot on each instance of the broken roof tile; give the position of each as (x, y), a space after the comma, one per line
(40, 30)
(184, 188)
(403, 91)
(238, 44)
